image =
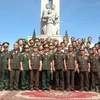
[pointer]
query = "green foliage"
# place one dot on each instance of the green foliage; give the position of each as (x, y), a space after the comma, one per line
(66, 34)
(34, 35)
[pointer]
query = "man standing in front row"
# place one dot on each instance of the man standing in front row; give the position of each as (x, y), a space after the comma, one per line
(95, 68)
(59, 66)
(46, 68)
(14, 65)
(24, 67)
(84, 68)
(35, 65)
(5, 72)
(0, 61)
(71, 61)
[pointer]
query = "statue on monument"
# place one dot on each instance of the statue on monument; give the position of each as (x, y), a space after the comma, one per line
(50, 20)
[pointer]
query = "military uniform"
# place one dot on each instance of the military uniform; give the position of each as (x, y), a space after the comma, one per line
(59, 66)
(5, 72)
(24, 58)
(53, 73)
(15, 65)
(35, 58)
(83, 68)
(95, 69)
(46, 69)
(0, 65)
(70, 61)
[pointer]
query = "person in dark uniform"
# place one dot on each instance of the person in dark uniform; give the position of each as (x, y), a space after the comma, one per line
(35, 66)
(46, 68)
(59, 65)
(5, 72)
(21, 45)
(31, 42)
(71, 61)
(0, 61)
(95, 68)
(14, 66)
(84, 68)
(24, 67)
(37, 41)
(51, 51)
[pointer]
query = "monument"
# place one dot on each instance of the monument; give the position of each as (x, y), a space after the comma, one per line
(50, 20)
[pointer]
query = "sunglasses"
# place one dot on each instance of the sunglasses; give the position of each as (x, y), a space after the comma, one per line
(5, 46)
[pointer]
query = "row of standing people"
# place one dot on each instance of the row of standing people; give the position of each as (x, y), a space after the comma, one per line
(13, 62)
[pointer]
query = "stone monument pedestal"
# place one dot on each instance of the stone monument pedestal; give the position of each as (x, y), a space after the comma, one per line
(54, 37)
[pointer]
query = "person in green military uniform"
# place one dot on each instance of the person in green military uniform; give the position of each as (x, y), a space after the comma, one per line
(46, 68)
(0, 60)
(95, 68)
(71, 61)
(14, 66)
(59, 65)
(83, 68)
(24, 67)
(35, 66)
(5, 69)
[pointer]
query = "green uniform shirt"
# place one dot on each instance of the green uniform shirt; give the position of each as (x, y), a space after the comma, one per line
(14, 56)
(46, 61)
(24, 59)
(4, 60)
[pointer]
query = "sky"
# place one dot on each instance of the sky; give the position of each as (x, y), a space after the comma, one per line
(18, 18)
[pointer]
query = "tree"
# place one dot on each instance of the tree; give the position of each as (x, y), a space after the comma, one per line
(34, 35)
(67, 37)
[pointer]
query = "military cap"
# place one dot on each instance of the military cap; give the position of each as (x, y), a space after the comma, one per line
(59, 45)
(82, 49)
(70, 46)
(35, 46)
(5, 43)
(36, 39)
(46, 46)
(30, 40)
(26, 47)
(51, 44)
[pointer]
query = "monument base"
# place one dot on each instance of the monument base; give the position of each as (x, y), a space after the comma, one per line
(54, 37)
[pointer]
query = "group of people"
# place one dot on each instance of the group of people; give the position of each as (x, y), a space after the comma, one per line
(45, 64)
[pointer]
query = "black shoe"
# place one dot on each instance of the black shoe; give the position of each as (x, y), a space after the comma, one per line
(43, 89)
(67, 90)
(6, 88)
(1, 89)
(16, 88)
(72, 89)
(92, 90)
(56, 89)
(37, 89)
(11, 89)
(31, 89)
(48, 89)
(27, 88)
(81, 90)
(87, 90)
(23, 89)
(62, 89)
